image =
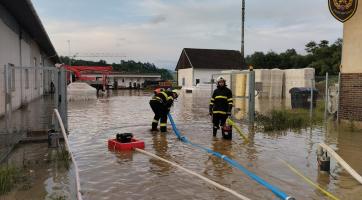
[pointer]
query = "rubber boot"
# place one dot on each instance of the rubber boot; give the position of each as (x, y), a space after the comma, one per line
(154, 127)
(163, 129)
(214, 131)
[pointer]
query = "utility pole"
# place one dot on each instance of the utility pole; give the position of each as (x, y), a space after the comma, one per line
(242, 32)
(69, 55)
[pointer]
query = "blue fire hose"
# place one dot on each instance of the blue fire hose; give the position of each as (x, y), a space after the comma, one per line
(275, 190)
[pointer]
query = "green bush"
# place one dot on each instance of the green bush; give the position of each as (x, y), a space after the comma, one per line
(277, 120)
(8, 178)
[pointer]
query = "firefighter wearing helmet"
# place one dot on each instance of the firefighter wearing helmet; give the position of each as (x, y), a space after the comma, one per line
(220, 107)
(161, 103)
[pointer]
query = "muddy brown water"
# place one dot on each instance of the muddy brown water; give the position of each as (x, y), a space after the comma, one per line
(108, 175)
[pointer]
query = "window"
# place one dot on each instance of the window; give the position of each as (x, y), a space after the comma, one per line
(122, 80)
(26, 78)
(183, 81)
(197, 81)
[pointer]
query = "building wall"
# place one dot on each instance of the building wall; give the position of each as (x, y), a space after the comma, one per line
(351, 97)
(126, 82)
(350, 106)
(184, 77)
(129, 82)
(352, 43)
(18, 49)
(205, 75)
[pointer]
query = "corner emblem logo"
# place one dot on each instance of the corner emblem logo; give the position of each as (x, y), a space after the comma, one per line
(342, 10)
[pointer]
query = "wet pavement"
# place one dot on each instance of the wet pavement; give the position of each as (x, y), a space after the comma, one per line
(108, 175)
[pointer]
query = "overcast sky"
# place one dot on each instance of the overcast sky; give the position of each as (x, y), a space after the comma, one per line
(157, 30)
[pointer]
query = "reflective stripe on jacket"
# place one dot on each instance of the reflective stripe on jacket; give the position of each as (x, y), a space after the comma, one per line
(221, 101)
(164, 98)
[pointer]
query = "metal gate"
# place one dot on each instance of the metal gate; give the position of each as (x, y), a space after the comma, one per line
(242, 85)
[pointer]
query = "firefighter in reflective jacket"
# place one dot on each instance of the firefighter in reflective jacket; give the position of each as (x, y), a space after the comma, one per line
(161, 103)
(220, 107)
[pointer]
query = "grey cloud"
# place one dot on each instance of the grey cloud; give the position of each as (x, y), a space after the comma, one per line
(271, 25)
(158, 19)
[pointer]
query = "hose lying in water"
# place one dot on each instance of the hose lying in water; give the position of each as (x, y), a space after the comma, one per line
(232, 123)
(343, 163)
(77, 180)
(275, 190)
(195, 174)
(331, 196)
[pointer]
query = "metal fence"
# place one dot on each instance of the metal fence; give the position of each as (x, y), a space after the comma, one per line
(21, 109)
(243, 85)
(328, 93)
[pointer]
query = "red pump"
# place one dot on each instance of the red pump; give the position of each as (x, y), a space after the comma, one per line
(117, 144)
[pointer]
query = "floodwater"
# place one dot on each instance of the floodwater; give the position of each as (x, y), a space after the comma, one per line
(129, 175)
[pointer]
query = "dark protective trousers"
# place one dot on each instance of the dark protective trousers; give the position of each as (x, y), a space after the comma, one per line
(161, 112)
(218, 121)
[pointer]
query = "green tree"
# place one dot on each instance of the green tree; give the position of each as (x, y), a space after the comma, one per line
(323, 57)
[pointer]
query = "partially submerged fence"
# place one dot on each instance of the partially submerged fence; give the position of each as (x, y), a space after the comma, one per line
(272, 91)
(21, 108)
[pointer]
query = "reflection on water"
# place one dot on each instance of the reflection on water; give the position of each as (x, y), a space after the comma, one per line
(108, 175)
(160, 145)
(218, 167)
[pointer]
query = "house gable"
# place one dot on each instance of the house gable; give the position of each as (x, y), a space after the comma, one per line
(209, 59)
(183, 62)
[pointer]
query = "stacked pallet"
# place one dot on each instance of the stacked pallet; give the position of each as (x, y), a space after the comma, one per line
(240, 85)
(276, 83)
(297, 78)
(263, 76)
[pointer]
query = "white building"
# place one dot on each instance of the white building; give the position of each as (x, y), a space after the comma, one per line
(23, 43)
(198, 65)
(123, 80)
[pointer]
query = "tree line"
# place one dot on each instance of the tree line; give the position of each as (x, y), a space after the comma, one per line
(129, 66)
(323, 57)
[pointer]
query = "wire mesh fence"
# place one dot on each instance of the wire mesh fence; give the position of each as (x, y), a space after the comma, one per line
(22, 111)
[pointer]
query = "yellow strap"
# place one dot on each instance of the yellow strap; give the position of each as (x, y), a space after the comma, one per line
(155, 121)
(231, 103)
(232, 123)
(219, 112)
(211, 103)
(331, 196)
(230, 99)
(163, 124)
(169, 98)
(212, 99)
(221, 97)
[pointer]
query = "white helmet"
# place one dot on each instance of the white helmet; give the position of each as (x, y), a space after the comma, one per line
(220, 78)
